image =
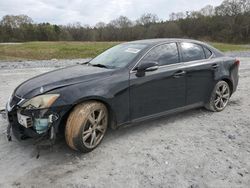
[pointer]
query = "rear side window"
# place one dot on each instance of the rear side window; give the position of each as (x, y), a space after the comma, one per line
(208, 53)
(165, 54)
(192, 52)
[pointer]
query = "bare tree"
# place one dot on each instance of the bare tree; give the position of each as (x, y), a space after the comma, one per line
(147, 19)
(100, 25)
(121, 22)
(207, 10)
(15, 21)
(232, 7)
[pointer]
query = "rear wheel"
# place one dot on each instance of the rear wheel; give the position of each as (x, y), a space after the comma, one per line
(219, 97)
(86, 126)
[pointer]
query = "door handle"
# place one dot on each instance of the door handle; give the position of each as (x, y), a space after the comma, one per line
(214, 66)
(179, 74)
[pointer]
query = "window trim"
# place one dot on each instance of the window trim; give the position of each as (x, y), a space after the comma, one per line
(180, 56)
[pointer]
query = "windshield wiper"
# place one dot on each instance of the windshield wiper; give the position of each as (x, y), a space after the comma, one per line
(99, 65)
(85, 63)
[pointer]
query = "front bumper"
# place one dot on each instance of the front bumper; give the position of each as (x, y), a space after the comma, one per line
(52, 117)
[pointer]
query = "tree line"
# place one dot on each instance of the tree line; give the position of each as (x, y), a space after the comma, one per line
(228, 22)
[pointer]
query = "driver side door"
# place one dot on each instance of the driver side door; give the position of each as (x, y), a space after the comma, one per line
(156, 92)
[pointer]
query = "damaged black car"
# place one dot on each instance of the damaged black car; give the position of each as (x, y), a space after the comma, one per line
(128, 83)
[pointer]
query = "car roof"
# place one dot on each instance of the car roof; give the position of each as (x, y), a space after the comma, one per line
(163, 40)
(156, 41)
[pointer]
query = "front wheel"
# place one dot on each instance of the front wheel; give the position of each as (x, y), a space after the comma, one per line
(86, 126)
(219, 97)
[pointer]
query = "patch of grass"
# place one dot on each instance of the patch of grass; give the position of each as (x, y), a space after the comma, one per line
(73, 50)
(51, 50)
(224, 47)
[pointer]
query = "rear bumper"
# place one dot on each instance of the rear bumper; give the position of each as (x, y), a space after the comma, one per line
(234, 81)
(235, 77)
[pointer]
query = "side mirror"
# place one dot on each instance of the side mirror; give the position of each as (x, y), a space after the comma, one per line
(148, 66)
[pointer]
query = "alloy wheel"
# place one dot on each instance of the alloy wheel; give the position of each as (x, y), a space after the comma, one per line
(94, 128)
(222, 96)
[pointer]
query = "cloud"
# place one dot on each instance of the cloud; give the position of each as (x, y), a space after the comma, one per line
(91, 12)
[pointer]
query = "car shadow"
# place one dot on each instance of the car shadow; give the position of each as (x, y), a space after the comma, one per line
(124, 131)
(61, 148)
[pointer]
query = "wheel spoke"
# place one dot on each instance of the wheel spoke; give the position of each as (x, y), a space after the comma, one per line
(225, 96)
(93, 138)
(100, 116)
(217, 101)
(86, 132)
(86, 136)
(218, 92)
(221, 103)
(100, 128)
(91, 119)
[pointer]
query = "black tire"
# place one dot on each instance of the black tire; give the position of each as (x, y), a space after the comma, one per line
(219, 97)
(86, 126)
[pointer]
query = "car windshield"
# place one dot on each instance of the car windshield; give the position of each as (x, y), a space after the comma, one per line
(118, 56)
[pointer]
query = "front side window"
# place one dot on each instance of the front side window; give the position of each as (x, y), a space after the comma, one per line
(192, 52)
(165, 54)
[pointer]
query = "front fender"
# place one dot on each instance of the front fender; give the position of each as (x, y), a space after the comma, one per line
(113, 91)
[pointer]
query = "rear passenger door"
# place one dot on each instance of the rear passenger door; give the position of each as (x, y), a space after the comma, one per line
(200, 70)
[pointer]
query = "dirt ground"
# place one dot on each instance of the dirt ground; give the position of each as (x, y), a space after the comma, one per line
(192, 149)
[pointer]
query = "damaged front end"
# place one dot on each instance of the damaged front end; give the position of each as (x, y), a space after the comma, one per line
(36, 122)
(34, 118)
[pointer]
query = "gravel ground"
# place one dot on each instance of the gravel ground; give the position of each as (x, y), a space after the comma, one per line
(54, 63)
(192, 149)
(238, 54)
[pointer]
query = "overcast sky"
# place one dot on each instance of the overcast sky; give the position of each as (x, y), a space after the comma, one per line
(93, 11)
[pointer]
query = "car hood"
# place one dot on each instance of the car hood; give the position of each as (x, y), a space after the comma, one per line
(60, 78)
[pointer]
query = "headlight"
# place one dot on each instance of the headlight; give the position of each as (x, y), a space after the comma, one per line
(41, 101)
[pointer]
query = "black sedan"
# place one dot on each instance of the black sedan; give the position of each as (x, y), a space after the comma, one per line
(129, 83)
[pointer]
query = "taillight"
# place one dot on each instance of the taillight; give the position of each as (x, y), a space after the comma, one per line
(237, 62)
